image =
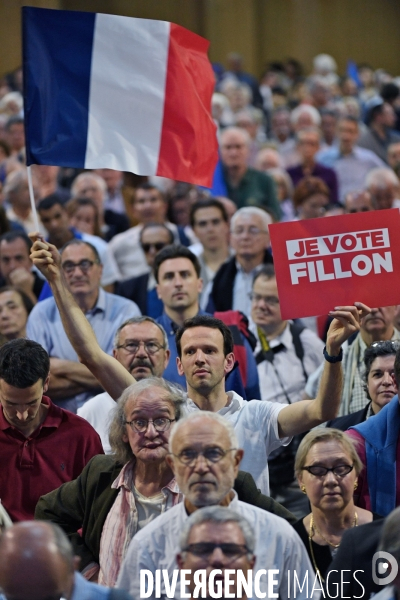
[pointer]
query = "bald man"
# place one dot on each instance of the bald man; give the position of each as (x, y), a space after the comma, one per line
(245, 186)
(37, 562)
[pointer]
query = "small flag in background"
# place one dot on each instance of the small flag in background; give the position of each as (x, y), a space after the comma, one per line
(352, 72)
(118, 92)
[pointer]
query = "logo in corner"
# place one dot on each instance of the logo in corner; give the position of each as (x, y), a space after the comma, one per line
(384, 568)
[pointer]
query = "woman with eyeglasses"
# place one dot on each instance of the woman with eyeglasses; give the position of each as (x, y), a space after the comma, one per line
(327, 467)
(117, 495)
(380, 384)
(378, 445)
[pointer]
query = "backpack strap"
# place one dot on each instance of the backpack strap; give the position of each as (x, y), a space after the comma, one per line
(295, 330)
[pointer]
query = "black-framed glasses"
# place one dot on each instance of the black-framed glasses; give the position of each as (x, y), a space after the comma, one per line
(269, 300)
(133, 347)
(141, 425)
(205, 549)
(84, 265)
(157, 246)
(214, 454)
(319, 471)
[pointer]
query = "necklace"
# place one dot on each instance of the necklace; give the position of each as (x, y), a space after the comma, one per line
(313, 530)
(314, 527)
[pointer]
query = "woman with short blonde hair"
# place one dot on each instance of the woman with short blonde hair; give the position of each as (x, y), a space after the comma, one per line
(327, 467)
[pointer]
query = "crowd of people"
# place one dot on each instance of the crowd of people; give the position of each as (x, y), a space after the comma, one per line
(157, 412)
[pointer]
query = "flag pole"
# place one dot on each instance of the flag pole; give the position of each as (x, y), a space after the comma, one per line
(33, 205)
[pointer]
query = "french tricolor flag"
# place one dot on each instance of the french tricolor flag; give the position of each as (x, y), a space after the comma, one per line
(118, 92)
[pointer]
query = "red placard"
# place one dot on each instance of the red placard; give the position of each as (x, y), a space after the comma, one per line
(336, 261)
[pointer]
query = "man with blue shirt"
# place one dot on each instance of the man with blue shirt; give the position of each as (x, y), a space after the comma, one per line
(177, 272)
(72, 383)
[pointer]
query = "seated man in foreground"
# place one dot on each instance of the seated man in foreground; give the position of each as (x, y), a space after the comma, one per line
(217, 538)
(205, 356)
(36, 562)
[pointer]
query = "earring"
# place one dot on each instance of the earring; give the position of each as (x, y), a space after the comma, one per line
(303, 489)
(355, 485)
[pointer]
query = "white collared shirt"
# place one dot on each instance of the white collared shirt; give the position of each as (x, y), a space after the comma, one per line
(289, 367)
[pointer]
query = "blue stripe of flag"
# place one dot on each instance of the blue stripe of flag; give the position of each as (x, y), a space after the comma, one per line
(57, 55)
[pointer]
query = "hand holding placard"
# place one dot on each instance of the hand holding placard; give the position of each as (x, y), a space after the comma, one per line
(346, 321)
(335, 260)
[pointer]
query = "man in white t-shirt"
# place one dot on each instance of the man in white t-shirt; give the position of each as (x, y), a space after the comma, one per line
(205, 357)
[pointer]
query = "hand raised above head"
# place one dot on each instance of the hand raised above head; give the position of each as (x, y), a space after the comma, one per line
(45, 257)
(346, 321)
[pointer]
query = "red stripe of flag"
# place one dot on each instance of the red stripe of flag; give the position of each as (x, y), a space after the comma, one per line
(188, 138)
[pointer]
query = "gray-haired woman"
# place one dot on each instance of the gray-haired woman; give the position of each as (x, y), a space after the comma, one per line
(117, 495)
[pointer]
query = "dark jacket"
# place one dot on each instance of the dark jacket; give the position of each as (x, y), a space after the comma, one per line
(135, 289)
(116, 222)
(221, 297)
(356, 550)
(86, 501)
(343, 423)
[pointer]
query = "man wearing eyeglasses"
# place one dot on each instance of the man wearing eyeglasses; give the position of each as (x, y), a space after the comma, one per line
(250, 240)
(141, 346)
(72, 384)
(286, 354)
(55, 218)
(205, 456)
(37, 563)
(358, 201)
(217, 538)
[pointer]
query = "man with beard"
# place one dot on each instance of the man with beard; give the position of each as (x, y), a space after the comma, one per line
(141, 346)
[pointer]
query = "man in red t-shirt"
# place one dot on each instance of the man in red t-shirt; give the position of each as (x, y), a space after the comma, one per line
(41, 445)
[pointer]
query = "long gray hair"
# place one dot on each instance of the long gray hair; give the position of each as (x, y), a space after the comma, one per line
(174, 394)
